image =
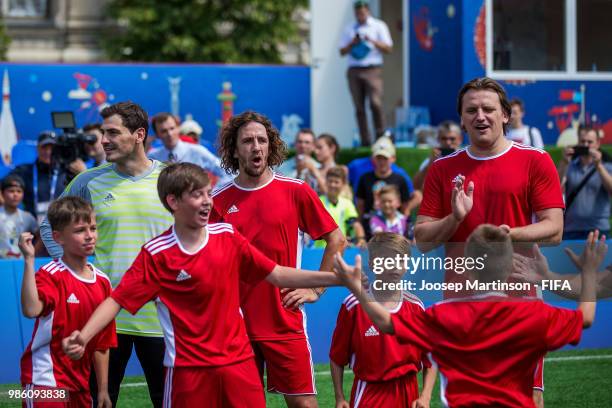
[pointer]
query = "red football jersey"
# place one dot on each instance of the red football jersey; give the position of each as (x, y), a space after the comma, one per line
(372, 355)
(274, 218)
(196, 294)
(69, 301)
(508, 188)
(487, 347)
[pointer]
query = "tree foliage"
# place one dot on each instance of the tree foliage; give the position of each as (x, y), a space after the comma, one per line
(5, 40)
(200, 30)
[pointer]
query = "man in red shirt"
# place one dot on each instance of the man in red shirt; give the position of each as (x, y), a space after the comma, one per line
(508, 184)
(273, 212)
(486, 346)
(193, 272)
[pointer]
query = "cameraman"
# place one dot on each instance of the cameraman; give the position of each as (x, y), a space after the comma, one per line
(588, 185)
(44, 182)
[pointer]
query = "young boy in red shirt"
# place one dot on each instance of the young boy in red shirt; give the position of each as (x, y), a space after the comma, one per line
(62, 295)
(193, 271)
(385, 370)
(487, 345)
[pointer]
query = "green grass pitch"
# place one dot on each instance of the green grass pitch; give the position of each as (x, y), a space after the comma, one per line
(580, 378)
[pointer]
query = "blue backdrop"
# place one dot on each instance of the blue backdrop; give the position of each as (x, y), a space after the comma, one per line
(280, 92)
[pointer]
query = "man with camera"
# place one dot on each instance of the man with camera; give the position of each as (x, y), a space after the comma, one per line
(364, 42)
(585, 174)
(450, 139)
(44, 180)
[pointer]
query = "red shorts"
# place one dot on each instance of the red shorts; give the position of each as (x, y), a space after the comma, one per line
(397, 393)
(55, 398)
(236, 385)
(288, 365)
(538, 378)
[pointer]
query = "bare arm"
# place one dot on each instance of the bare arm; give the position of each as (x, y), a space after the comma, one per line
(101, 368)
(415, 199)
(285, 277)
(31, 304)
(431, 232)
(337, 375)
(75, 344)
(295, 297)
(351, 278)
(548, 228)
(606, 178)
(429, 380)
(382, 47)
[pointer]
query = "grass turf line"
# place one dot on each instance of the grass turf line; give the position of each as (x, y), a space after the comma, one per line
(568, 383)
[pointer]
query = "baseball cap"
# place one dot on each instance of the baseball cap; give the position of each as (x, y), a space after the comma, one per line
(190, 126)
(12, 180)
(361, 3)
(383, 147)
(46, 137)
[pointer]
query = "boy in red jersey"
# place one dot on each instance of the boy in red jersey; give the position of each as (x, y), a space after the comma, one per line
(193, 271)
(385, 370)
(487, 346)
(273, 212)
(62, 295)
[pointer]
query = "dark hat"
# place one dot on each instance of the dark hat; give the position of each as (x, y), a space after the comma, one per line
(46, 137)
(12, 180)
(361, 3)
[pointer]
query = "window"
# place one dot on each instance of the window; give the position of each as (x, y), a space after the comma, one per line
(24, 8)
(549, 39)
(594, 35)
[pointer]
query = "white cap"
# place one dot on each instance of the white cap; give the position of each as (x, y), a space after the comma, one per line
(190, 126)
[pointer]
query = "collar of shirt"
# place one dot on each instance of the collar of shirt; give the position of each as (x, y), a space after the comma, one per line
(179, 150)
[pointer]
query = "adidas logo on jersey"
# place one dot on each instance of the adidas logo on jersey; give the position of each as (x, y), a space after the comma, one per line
(183, 275)
(108, 199)
(372, 332)
(72, 299)
(232, 209)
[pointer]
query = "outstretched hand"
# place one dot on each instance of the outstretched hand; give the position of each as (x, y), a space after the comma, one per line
(531, 270)
(350, 276)
(74, 345)
(462, 200)
(595, 250)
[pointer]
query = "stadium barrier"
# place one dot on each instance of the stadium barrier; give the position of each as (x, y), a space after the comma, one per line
(320, 322)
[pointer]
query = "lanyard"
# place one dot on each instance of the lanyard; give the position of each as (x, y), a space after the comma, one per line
(52, 186)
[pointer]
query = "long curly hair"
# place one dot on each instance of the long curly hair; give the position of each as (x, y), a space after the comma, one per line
(228, 139)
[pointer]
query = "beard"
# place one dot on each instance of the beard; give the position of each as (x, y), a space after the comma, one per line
(250, 171)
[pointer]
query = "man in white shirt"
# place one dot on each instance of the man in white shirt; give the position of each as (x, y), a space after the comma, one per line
(518, 131)
(174, 149)
(365, 41)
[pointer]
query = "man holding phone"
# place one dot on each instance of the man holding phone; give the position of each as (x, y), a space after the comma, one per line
(588, 185)
(365, 41)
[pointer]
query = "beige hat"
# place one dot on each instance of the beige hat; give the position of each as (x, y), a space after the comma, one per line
(383, 147)
(190, 126)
